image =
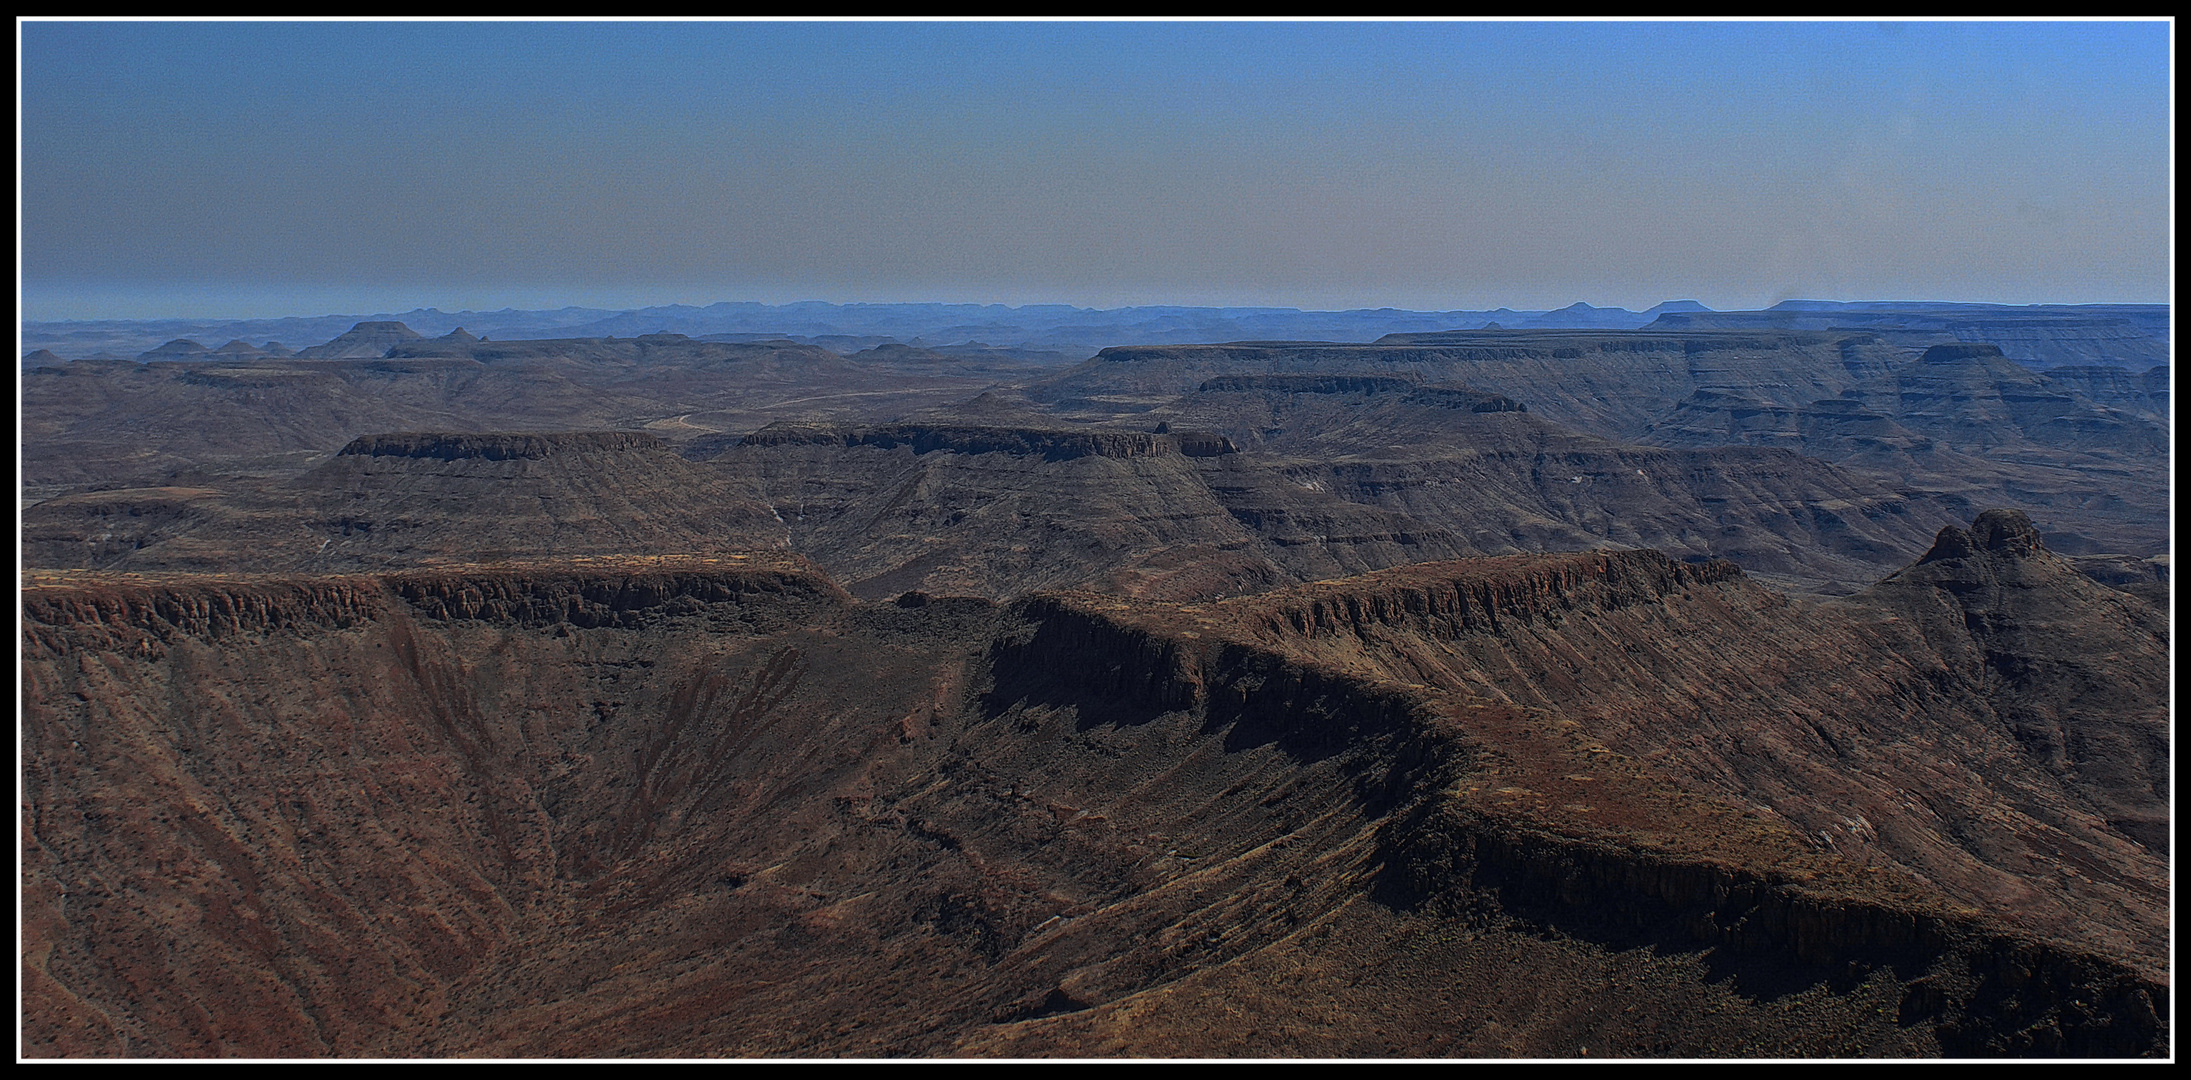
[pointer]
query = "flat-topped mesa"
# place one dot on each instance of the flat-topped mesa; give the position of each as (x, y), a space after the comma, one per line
(1023, 442)
(498, 446)
(1475, 595)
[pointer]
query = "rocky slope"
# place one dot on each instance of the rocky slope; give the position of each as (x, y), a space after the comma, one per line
(1537, 805)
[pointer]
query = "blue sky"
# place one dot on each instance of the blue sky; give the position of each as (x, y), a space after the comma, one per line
(246, 169)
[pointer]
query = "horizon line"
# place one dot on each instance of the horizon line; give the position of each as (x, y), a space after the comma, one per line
(1273, 308)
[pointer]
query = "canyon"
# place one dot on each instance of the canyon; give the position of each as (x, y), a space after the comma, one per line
(1771, 691)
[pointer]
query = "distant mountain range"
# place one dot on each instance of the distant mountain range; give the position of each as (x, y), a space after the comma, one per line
(2123, 335)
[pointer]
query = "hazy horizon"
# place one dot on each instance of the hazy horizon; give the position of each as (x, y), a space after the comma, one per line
(363, 310)
(198, 169)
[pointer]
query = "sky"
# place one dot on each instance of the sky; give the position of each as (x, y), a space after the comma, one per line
(246, 169)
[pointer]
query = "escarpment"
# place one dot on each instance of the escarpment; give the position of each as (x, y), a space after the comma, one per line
(1521, 588)
(1497, 478)
(1645, 861)
(60, 615)
(715, 805)
(1825, 717)
(1081, 653)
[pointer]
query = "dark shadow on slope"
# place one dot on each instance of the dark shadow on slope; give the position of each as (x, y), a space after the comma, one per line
(1985, 995)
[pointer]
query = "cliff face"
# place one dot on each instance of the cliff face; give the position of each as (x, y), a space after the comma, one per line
(2131, 336)
(1518, 589)
(1933, 440)
(688, 807)
(59, 616)
(2140, 393)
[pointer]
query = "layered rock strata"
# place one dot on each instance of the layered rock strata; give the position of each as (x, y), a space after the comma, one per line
(1521, 806)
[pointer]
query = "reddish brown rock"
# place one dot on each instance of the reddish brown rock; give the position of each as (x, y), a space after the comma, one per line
(1516, 806)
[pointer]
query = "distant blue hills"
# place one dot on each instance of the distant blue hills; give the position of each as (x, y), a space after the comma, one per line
(1069, 334)
(1053, 327)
